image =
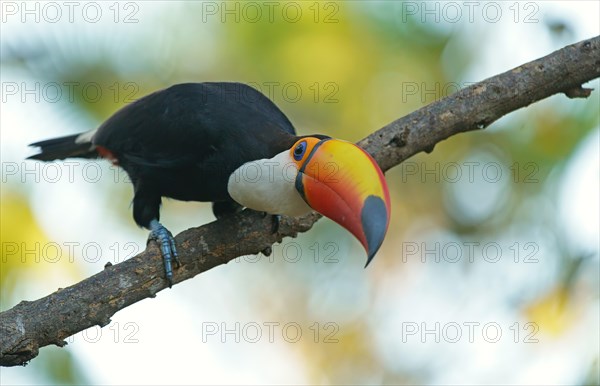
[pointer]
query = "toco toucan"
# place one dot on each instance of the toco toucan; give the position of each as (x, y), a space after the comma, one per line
(227, 143)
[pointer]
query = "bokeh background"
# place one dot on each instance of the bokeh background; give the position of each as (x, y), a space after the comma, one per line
(489, 273)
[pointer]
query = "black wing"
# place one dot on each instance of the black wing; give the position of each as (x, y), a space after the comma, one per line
(187, 123)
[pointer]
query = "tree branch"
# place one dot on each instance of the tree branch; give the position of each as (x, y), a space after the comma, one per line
(31, 325)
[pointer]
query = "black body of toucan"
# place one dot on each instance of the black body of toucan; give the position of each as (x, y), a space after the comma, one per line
(228, 144)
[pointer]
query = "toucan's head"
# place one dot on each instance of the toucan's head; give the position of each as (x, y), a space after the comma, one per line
(335, 178)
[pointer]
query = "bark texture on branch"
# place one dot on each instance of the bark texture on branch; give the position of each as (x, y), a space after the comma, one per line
(31, 325)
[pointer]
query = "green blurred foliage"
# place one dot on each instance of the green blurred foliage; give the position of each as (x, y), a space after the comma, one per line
(61, 368)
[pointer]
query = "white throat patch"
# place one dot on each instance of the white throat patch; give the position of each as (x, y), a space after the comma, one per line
(268, 185)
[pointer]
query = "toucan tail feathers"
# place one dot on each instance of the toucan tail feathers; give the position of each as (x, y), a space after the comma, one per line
(64, 147)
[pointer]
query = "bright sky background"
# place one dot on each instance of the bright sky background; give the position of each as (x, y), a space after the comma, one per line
(502, 46)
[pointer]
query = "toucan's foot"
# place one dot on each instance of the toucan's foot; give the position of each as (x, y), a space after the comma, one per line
(276, 220)
(165, 239)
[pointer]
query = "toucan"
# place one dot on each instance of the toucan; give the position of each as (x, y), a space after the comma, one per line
(229, 144)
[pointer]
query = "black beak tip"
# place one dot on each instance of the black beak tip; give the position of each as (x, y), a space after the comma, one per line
(369, 259)
(374, 222)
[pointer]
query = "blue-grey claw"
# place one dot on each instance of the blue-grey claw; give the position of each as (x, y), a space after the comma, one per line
(165, 240)
(276, 221)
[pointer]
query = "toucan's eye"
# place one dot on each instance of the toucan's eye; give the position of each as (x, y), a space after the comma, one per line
(299, 150)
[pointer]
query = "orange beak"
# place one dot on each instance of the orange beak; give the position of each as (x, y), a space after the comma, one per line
(343, 182)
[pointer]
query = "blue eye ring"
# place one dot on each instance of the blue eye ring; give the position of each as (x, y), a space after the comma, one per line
(300, 150)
